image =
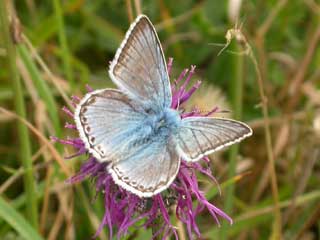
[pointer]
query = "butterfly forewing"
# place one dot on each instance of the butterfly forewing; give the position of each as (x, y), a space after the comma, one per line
(200, 136)
(139, 67)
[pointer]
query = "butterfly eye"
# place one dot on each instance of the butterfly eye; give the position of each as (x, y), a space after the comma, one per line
(148, 110)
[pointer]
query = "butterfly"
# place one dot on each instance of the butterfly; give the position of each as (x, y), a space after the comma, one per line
(133, 127)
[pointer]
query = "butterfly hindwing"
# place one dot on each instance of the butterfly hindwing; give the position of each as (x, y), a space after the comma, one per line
(149, 169)
(200, 136)
(139, 66)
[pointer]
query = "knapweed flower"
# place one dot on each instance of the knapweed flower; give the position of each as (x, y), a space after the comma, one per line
(205, 96)
(124, 209)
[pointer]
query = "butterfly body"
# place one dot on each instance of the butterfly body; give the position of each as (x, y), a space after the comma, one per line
(133, 127)
(168, 120)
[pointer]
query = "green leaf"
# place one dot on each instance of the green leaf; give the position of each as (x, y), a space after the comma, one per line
(16, 221)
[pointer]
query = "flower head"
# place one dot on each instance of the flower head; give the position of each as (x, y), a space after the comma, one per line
(124, 209)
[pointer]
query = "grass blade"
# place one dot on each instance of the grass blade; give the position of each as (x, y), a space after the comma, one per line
(237, 97)
(42, 87)
(66, 58)
(23, 135)
(16, 221)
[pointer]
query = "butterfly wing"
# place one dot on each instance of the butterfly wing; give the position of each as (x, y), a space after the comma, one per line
(147, 169)
(108, 121)
(139, 66)
(200, 136)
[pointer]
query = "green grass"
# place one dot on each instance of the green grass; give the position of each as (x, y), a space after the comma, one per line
(72, 43)
(24, 141)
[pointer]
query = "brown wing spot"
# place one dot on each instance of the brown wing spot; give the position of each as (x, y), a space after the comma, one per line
(133, 183)
(118, 171)
(92, 140)
(100, 149)
(88, 129)
(125, 179)
(150, 189)
(91, 100)
(141, 187)
(161, 183)
(83, 110)
(83, 119)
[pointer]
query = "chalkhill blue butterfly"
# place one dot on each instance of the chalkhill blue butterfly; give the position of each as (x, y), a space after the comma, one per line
(134, 128)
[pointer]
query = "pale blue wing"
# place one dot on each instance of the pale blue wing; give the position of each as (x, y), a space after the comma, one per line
(200, 136)
(139, 67)
(147, 168)
(108, 121)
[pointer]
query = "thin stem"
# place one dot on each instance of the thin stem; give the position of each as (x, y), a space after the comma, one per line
(56, 155)
(236, 96)
(23, 135)
(241, 39)
(66, 58)
(46, 70)
(302, 199)
(263, 29)
(271, 160)
(129, 10)
(42, 88)
(137, 4)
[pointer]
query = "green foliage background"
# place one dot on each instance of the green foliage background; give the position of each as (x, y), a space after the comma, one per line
(60, 46)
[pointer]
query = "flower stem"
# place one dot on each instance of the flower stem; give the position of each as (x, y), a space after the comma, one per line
(23, 135)
(156, 225)
(236, 96)
(277, 224)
